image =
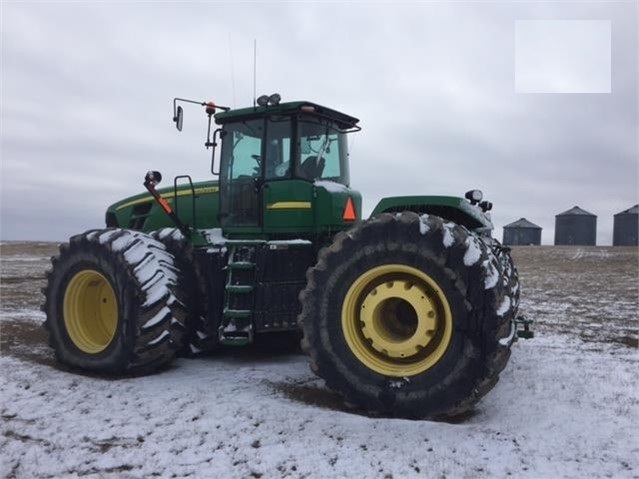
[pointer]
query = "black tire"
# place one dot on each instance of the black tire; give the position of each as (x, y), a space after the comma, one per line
(444, 375)
(110, 304)
(510, 279)
(200, 336)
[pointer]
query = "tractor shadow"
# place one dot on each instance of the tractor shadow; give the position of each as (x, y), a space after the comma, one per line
(312, 392)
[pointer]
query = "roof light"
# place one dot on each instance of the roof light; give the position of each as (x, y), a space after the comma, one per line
(486, 206)
(307, 109)
(274, 99)
(474, 196)
(349, 211)
(269, 100)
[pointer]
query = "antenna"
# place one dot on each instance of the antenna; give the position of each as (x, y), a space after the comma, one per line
(232, 69)
(254, 72)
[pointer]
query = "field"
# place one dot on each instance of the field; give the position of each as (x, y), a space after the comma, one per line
(567, 405)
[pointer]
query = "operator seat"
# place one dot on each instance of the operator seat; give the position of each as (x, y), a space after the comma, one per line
(312, 167)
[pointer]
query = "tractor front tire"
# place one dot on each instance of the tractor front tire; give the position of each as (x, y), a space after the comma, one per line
(400, 316)
(110, 305)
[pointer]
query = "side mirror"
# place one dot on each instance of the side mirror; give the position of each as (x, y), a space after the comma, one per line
(178, 118)
(152, 178)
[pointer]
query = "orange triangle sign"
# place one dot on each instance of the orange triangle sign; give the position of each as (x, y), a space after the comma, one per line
(349, 211)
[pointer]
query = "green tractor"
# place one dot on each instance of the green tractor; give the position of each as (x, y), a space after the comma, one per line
(409, 313)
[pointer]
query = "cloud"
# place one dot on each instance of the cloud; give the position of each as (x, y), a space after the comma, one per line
(87, 91)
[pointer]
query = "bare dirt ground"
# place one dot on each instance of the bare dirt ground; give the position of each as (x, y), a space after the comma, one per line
(22, 276)
(587, 292)
(567, 404)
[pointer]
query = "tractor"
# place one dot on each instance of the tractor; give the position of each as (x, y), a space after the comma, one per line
(408, 313)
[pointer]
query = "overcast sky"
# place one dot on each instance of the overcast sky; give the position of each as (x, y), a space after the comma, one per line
(534, 103)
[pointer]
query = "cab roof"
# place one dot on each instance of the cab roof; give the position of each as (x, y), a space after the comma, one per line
(290, 108)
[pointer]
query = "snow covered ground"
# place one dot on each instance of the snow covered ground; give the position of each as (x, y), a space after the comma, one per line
(567, 404)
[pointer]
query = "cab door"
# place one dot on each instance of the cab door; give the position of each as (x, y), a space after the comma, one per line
(256, 163)
(241, 175)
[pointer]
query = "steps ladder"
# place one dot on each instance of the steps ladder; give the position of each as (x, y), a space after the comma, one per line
(237, 322)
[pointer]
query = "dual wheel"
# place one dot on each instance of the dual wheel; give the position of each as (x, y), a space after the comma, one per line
(404, 315)
(112, 303)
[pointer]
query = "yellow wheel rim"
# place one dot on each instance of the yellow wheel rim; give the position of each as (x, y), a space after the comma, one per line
(90, 311)
(396, 320)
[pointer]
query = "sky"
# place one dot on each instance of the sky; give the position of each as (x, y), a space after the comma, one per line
(534, 103)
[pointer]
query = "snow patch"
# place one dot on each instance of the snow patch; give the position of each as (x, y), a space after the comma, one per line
(504, 306)
(156, 288)
(473, 251)
(153, 266)
(172, 233)
(123, 242)
(423, 224)
(511, 337)
(159, 316)
(491, 274)
(215, 236)
(399, 383)
(136, 254)
(91, 236)
(164, 334)
(107, 235)
(449, 238)
(331, 186)
(289, 242)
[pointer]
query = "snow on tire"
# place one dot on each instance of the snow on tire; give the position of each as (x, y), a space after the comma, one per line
(110, 304)
(510, 278)
(199, 336)
(399, 315)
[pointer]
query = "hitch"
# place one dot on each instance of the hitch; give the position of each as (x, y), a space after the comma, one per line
(526, 324)
(151, 179)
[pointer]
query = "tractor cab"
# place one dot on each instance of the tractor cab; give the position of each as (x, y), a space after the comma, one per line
(282, 169)
(273, 158)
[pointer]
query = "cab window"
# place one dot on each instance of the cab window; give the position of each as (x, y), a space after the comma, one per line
(323, 151)
(278, 148)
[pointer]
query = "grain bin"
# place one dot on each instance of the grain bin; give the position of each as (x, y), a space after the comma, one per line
(522, 232)
(626, 227)
(576, 227)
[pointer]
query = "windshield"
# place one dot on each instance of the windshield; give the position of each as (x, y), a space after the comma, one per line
(323, 151)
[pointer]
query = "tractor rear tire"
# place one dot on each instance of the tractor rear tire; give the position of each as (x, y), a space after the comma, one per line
(200, 336)
(110, 303)
(400, 316)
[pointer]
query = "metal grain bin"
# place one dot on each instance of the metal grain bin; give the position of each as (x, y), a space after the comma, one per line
(576, 227)
(522, 232)
(626, 227)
